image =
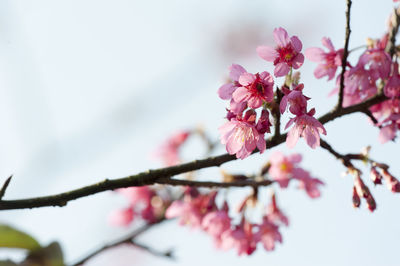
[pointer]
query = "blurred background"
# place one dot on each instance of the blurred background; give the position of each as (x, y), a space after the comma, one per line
(88, 89)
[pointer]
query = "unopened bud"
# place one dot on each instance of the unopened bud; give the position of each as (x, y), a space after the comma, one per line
(361, 189)
(356, 198)
(371, 204)
(376, 177)
(392, 183)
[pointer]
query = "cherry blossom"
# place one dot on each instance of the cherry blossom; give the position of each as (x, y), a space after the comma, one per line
(306, 126)
(281, 169)
(255, 89)
(241, 137)
(268, 234)
(295, 99)
(285, 55)
(168, 152)
(329, 61)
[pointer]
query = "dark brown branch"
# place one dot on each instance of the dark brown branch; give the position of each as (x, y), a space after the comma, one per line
(345, 55)
(129, 239)
(343, 158)
(4, 187)
(151, 176)
(361, 107)
(209, 184)
(145, 178)
(391, 47)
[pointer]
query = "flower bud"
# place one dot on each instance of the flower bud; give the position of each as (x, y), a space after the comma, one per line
(392, 183)
(371, 204)
(356, 198)
(376, 177)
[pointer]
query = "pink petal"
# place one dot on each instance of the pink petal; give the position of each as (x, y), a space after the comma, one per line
(315, 54)
(296, 43)
(175, 210)
(293, 136)
(328, 44)
(320, 71)
(246, 79)
(237, 108)
(225, 91)
(281, 37)
(241, 94)
(387, 133)
(261, 144)
(281, 70)
(267, 53)
(312, 137)
(298, 61)
(235, 71)
(295, 158)
(283, 104)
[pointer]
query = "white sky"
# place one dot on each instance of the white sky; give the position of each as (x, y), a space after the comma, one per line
(89, 88)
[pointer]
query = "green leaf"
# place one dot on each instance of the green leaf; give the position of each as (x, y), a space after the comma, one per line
(49, 256)
(13, 238)
(7, 263)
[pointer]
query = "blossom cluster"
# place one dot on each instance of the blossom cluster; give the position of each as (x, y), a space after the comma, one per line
(199, 210)
(144, 203)
(374, 73)
(283, 169)
(247, 92)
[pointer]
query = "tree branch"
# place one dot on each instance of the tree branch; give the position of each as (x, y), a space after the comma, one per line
(129, 239)
(151, 176)
(4, 187)
(209, 184)
(391, 47)
(345, 55)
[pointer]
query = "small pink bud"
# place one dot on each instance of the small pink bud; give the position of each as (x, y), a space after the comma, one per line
(361, 189)
(356, 198)
(371, 204)
(376, 177)
(392, 183)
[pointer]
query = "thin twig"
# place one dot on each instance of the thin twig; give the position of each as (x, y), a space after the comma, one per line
(128, 239)
(345, 55)
(209, 184)
(4, 187)
(391, 46)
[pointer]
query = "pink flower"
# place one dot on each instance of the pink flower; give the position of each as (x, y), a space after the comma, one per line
(169, 150)
(121, 217)
(329, 61)
(282, 167)
(387, 133)
(137, 195)
(378, 62)
(274, 213)
(308, 183)
(187, 212)
(240, 238)
(306, 126)
(358, 80)
(215, 223)
(296, 100)
(192, 209)
(255, 89)
(226, 90)
(241, 136)
(268, 234)
(392, 87)
(285, 55)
